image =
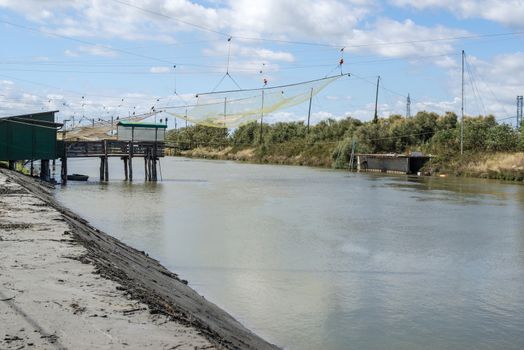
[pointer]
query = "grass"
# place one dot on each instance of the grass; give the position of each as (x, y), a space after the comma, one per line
(501, 165)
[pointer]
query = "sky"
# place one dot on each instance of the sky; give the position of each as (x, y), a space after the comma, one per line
(103, 58)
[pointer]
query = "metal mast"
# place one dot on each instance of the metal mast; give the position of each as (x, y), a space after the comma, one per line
(262, 118)
(375, 118)
(309, 111)
(520, 103)
(408, 107)
(462, 109)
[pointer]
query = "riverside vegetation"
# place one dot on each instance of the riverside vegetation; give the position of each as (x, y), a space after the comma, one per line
(491, 150)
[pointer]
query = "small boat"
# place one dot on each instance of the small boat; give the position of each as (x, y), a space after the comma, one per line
(77, 177)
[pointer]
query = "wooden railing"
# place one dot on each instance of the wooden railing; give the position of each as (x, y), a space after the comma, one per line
(113, 148)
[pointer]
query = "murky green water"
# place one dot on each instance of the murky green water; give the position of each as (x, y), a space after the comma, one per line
(320, 259)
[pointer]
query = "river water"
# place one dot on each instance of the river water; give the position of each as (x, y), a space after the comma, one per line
(323, 259)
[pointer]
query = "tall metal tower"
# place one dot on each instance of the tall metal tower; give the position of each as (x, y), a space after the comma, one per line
(375, 118)
(520, 103)
(408, 107)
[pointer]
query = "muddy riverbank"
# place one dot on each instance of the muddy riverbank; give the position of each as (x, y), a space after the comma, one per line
(66, 284)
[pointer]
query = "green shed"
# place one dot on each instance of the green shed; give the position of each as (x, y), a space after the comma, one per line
(136, 131)
(29, 136)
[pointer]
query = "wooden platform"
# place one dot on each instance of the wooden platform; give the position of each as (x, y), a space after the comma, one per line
(104, 149)
(113, 148)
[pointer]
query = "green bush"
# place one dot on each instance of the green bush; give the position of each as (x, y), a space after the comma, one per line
(330, 140)
(502, 138)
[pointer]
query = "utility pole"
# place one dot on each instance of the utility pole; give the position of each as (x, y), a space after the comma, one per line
(462, 109)
(408, 107)
(309, 112)
(520, 103)
(375, 118)
(225, 111)
(262, 118)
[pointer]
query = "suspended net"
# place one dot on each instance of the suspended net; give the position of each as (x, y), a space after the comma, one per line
(102, 129)
(230, 109)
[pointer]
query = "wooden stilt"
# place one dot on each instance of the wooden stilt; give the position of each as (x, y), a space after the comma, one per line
(106, 168)
(125, 168)
(106, 163)
(154, 170)
(150, 168)
(63, 171)
(145, 167)
(44, 169)
(102, 164)
(154, 160)
(63, 165)
(130, 161)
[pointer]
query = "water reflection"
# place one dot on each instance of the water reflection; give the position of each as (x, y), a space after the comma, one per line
(318, 259)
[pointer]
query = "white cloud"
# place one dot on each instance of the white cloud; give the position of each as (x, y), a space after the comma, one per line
(353, 23)
(301, 19)
(491, 87)
(508, 12)
(95, 50)
(70, 53)
(101, 51)
(160, 69)
(267, 55)
(391, 38)
(344, 22)
(15, 99)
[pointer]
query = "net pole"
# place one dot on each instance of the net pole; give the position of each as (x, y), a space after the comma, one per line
(309, 111)
(262, 118)
(462, 109)
(225, 113)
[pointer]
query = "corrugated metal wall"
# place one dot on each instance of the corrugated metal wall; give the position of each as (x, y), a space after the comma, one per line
(21, 141)
(141, 134)
(400, 164)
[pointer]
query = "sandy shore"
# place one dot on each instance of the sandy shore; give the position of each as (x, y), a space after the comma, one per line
(66, 285)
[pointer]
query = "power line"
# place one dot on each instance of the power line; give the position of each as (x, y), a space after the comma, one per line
(474, 69)
(83, 41)
(306, 43)
(474, 87)
(407, 42)
(188, 64)
(201, 27)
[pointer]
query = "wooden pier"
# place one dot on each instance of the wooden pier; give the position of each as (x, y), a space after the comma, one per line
(104, 149)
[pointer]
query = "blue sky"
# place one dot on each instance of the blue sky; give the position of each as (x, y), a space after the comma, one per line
(120, 54)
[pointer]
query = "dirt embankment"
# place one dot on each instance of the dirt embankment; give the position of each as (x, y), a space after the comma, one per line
(141, 280)
(502, 166)
(281, 156)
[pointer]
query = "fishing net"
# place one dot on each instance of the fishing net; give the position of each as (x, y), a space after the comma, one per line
(101, 129)
(230, 109)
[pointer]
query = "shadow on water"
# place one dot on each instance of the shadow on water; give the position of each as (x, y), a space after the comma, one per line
(452, 189)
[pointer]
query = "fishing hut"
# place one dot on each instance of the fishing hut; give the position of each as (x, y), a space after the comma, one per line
(391, 163)
(151, 136)
(134, 140)
(30, 137)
